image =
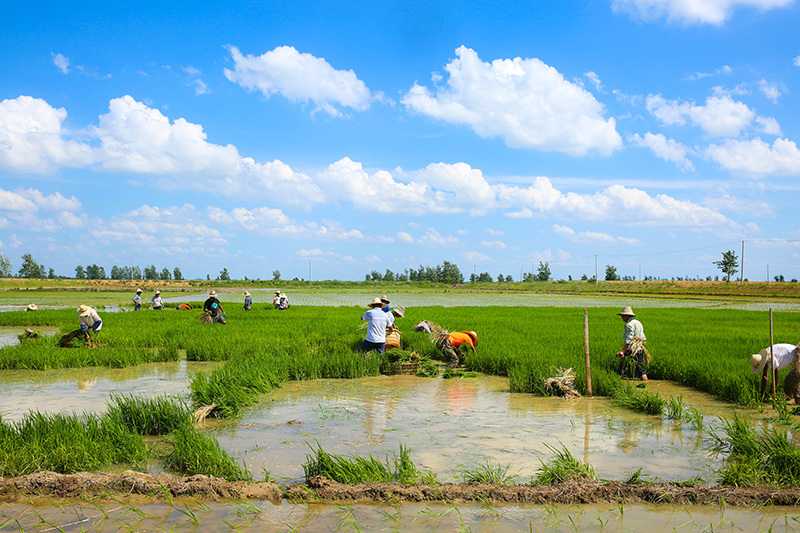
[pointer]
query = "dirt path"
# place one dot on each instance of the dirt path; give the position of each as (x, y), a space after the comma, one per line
(320, 489)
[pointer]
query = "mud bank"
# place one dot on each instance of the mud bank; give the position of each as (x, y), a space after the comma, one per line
(320, 489)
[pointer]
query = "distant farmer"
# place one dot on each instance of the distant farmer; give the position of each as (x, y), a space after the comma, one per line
(377, 322)
(283, 301)
(633, 350)
(137, 300)
(183, 307)
(89, 320)
(393, 332)
(385, 304)
(423, 327)
(31, 307)
(451, 344)
(213, 308)
(276, 301)
(248, 301)
(784, 354)
(158, 304)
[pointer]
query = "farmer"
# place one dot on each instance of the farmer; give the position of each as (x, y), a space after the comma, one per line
(283, 301)
(633, 339)
(31, 307)
(183, 307)
(385, 304)
(89, 320)
(158, 304)
(784, 354)
(451, 344)
(248, 301)
(277, 300)
(213, 308)
(137, 300)
(377, 322)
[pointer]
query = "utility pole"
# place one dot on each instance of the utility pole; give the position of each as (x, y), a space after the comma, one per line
(309, 271)
(640, 272)
(741, 264)
(767, 272)
(595, 269)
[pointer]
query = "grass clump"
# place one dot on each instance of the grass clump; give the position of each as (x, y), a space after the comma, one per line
(562, 468)
(489, 473)
(197, 453)
(647, 402)
(149, 416)
(355, 469)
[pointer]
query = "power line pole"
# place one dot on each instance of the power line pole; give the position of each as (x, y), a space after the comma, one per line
(595, 269)
(741, 264)
(640, 272)
(767, 272)
(309, 271)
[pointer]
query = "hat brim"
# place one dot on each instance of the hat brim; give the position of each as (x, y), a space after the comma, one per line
(762, 364)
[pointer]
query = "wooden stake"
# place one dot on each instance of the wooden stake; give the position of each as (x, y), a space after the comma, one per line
(586, 352)
(772, 358)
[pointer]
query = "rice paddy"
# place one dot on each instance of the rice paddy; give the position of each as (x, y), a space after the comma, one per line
(265, 356)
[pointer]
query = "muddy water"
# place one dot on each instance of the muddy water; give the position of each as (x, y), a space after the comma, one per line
(88, 389)
(266, 516)
(9, 336)
(459, 424)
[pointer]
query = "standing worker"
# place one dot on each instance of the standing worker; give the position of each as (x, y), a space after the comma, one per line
(633, 350)
(248, 301)
(213, 308)
(89, 320)
(137, 300)
(377, 322)
(451, 344)
(158, 304)
(784, 354)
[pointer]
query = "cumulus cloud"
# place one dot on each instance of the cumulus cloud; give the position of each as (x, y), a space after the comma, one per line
(433, 238)
(299, 78)
(756, 157)
(526, 102)
(33, 138)
(773, 91)
(721, 116)
(796, 61)
(61, 63)
(32, 210)
(478, 257)
(666, 149)
(724, 70)
(691, 11)
(723, 201)
(403, 236)
(590, 237)
(496, 245)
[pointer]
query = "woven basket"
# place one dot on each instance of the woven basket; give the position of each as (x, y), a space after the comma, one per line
(406, 369)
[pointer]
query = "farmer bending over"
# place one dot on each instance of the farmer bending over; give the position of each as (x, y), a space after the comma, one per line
(633, 349)
(213, 308)
(450, 345)
(784, 354)
(377, 322)
(89, 320)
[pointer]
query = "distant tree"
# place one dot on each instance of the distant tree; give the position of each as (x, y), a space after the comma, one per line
(208, 277)
(388, 276)
(473, 278)
(5, 267)
(79, 272)
(584, 277)
(30, 268)
(224, 275)
(728, 264)
(176, 273)
(165, 274)
(501, 278)
(780, 279)
(51, 274)
(570, 277)
(150, 272)
(117, 272)
(611, 273)
(94, 271)
(543, 272)
(375, 276)
(485, 277)
(276, 275)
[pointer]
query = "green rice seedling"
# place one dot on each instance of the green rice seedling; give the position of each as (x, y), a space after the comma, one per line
(487, 472)
(675, 408)
(193, 453)
(562, 468)
(427, 370)
(149, 416)
(355, 469)
(647, 402)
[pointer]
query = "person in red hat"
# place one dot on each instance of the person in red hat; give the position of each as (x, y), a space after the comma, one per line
(450, 344)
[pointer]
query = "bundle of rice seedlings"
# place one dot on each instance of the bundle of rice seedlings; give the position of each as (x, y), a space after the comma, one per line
(563, 383)
(638, 344)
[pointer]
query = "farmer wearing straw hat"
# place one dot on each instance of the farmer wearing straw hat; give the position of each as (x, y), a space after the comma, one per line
(377, 322)
(784, 354)
(137, 300)
(89, 320)
(633, 349)
(385, 304)
(450, 344)
(158, 304)
(213, 308)
(248, 301)
(31, 307)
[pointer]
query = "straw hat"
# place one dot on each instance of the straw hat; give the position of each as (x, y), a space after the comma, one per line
(399, 311)
(246, 293)
(759, 360)
(627, 311)
(32, 307)
(138, 291)
(376, 302)
(474, 337)
(84, 310)
(384, 299)
(277, 293)
(158, 292)
(212, 293)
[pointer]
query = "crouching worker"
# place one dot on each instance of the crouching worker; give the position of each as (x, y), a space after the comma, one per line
(451, 344)
(89, 320)
(784, 355)
(633, 350)
(377, 322)
(213, 309)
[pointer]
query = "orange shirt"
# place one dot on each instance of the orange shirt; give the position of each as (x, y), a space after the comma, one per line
(457, 339)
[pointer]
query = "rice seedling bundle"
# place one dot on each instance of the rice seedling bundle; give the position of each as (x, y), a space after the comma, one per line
(197, 453)
(149, 416)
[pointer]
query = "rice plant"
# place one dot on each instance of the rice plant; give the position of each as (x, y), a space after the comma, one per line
(193, 453)
(149, 416)
(487, 472)
(355, 469)
(648, 402)
(562, 468)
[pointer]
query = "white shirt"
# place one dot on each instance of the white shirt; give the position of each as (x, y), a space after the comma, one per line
(783, 353)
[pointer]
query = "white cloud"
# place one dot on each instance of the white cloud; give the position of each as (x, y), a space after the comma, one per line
(32, 138)
(405, 237)
(721, 116)
(773, 91)
(496, 245)
(328, 257)
(525, 101)
(478, 257)
(722, 71)
(796, 61)
(666, 149)
(595, 79)
(691, 11)
(757, 158)
(434, 239)
(299, 78)
(61, 63)
(590, 237)
(491, 231)
(724, 201)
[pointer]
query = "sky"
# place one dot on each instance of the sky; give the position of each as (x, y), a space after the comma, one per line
(327, 140)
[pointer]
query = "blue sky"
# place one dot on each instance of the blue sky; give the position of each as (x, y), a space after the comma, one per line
(359, 136)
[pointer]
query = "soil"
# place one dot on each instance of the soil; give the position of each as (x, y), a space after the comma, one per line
(321, 489)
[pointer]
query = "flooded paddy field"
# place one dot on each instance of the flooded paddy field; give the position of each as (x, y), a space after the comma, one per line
(185, 515)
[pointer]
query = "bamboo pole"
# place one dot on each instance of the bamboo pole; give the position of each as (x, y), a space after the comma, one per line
(772, 358)
(586, 352)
